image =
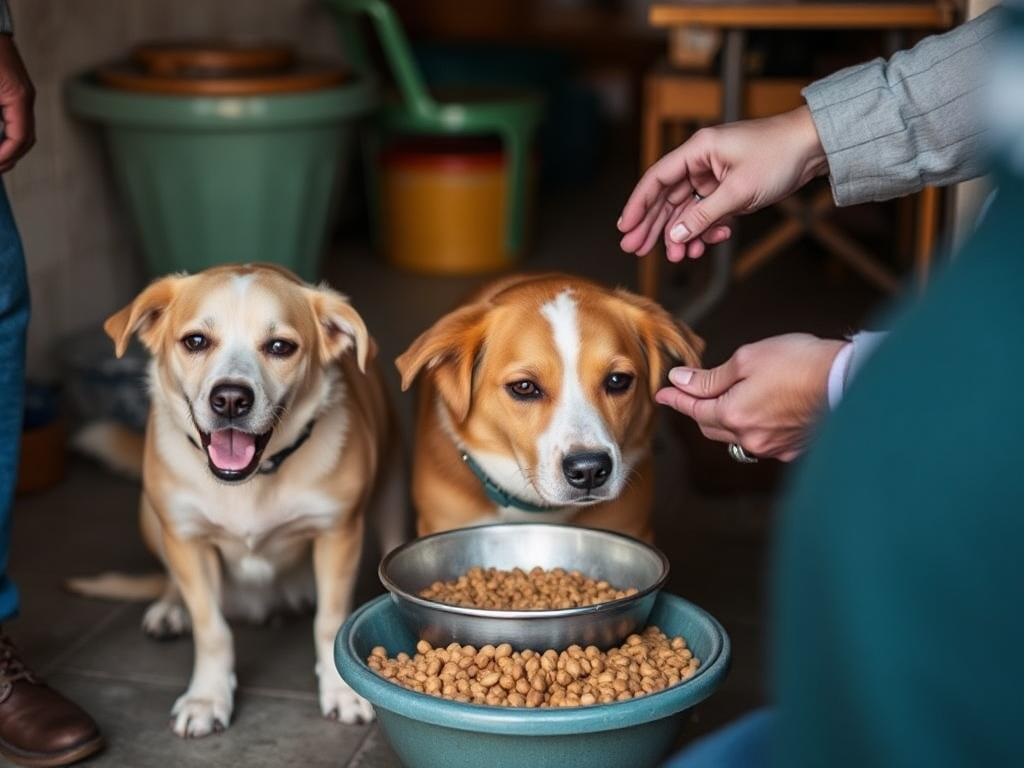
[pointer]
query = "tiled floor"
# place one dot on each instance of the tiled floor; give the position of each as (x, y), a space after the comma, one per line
(96, 652)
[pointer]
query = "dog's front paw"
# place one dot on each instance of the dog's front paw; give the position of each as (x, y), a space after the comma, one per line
(198, 714)
(339, 702)
(165, 620)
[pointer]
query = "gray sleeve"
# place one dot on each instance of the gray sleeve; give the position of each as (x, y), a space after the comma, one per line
(890, 128)
(6, 23)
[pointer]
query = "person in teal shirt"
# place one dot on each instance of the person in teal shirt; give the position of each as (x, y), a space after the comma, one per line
(897, 593)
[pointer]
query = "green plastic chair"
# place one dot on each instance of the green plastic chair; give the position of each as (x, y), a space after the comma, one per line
(417, 113)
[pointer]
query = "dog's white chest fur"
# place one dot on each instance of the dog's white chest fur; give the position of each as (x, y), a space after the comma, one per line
(263, 525)
(248, 522)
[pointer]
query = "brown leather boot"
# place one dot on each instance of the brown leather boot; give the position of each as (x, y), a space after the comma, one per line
(38, 726)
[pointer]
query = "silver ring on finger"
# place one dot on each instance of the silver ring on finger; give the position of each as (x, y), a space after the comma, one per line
(698, 197)
(739, 455)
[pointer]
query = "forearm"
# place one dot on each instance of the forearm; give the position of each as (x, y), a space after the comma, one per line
(890, 128)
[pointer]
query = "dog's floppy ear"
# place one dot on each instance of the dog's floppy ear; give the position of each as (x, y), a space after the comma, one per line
(449, 348)
(339, 326)
(143, 316)
(666, 342)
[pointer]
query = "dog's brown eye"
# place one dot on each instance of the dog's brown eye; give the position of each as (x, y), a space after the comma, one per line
(524, 390)
(617, 383)
(279, 348)
(195, 342)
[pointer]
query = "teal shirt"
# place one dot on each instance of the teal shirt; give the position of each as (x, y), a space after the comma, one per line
(898, 591)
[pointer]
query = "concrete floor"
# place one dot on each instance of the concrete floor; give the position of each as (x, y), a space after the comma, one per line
(95, 652)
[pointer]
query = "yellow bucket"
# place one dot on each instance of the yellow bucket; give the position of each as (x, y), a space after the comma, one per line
(443, 207)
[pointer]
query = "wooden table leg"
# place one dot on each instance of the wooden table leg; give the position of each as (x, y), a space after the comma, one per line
(651, 148)
(732, 107)
(925, 235)
(733, 76)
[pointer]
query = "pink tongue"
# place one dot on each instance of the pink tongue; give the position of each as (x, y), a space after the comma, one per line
(231, 449)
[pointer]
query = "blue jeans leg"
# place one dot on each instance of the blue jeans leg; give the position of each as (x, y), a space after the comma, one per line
(14, 311)
(741, 744)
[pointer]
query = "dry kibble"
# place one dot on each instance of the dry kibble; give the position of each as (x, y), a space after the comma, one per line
(536, 589)
(500, 677)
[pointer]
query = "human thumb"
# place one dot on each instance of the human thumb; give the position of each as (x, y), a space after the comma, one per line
(705, 382)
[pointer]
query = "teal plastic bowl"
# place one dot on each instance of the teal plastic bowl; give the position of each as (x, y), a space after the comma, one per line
(428, 732)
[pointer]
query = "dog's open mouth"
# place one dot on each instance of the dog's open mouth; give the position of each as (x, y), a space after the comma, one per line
(233, 454)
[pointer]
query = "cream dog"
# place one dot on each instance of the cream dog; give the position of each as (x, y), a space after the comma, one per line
(267, 433)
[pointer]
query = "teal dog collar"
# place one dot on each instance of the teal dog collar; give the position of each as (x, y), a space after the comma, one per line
(498, 495)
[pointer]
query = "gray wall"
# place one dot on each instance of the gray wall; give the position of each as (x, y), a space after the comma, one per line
(83, 261)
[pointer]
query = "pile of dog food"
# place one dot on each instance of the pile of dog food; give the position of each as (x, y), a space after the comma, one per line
(536, 589)
(498, 676)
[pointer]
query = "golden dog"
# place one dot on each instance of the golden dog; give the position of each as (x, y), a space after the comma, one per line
(537, 404)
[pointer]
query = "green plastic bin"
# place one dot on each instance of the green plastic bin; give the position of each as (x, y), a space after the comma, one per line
(219, 179)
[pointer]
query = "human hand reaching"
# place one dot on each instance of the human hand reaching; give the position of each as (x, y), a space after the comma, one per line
(733, 168)
(767, 397)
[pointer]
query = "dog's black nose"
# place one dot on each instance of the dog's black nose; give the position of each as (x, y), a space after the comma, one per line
(231, 400)
(587, 470)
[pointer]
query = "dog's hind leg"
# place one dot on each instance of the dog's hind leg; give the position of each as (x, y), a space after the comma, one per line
(167, 618)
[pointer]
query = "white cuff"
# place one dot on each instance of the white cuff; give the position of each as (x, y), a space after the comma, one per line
(838, 375)
(848, 362)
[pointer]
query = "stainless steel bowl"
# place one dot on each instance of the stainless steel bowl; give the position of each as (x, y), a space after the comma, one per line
(622, 561)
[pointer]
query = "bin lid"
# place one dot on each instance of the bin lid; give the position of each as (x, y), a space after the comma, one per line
(218, 68)
(444, 153)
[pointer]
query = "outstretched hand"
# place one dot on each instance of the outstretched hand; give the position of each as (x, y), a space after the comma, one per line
(767, 397)
(686, 197)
